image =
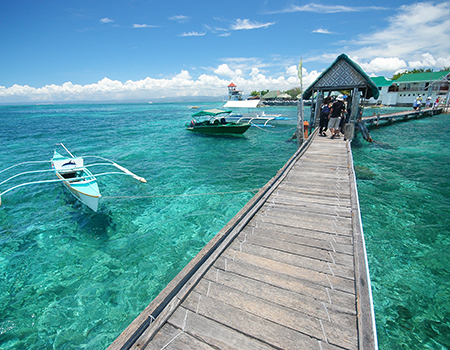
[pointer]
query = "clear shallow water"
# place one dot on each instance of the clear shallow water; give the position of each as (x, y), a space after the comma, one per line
(404, 191)
(73, 279)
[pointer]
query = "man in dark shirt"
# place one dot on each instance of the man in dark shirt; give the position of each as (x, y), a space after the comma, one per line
(336, 112)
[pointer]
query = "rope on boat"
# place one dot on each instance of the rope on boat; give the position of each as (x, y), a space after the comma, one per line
(30, 162)
(181, 195)
(275, 132)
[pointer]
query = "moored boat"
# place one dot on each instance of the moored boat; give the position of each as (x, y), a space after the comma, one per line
(78, 179)
(213, 121)
(73, 173)
(254, 115)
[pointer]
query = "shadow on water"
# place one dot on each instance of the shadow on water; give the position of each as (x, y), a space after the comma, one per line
(359, 142)
(94, 224)
(364, 173)
(382, 145)
(219, 136)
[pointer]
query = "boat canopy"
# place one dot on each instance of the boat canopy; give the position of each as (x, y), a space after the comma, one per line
(242, 104)
(210, 112)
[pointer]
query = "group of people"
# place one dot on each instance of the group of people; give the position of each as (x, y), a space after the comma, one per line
(417, 104)
(333, 116)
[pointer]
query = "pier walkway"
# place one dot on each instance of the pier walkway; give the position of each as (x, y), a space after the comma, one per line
(376, 118)
(289, 271)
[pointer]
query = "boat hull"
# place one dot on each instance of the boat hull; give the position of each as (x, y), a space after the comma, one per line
(220, 129)
(86, 192)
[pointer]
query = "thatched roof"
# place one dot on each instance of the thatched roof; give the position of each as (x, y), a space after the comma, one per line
(343, 74)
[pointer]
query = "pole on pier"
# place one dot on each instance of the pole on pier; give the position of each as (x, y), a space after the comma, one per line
(300, 128)
(315, 113)
(350, 126)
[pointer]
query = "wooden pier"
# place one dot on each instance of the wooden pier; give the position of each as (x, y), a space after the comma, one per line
(376, 118)
(289, 271)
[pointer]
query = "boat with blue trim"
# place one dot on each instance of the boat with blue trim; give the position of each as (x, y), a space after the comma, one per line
(73, 173)
(213, 121)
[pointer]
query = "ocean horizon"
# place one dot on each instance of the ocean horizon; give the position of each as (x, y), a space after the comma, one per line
(75, 279)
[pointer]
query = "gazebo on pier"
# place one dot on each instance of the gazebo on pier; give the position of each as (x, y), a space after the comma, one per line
(342, 75)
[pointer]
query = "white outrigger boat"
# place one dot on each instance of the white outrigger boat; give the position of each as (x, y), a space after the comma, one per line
(257, 117)
(75, 176)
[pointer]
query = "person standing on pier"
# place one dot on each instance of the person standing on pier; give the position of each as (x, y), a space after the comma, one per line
(417, 104)
(324, 113)
(337, 111)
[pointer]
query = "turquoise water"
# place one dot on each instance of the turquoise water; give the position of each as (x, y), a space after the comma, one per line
(74, 279)
(404, 190)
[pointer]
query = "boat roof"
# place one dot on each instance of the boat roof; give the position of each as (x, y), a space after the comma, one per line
(242, 104)
(210, 112)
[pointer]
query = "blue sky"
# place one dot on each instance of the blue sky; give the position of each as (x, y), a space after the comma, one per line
(118, 50)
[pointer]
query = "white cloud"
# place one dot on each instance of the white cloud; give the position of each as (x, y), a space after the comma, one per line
(246, 24)
(106, 20)
(329, 8)
(443, 61)
(322, 31)
(179, 19)
(193, 34)
(226, 71)
(143, 26)
(418, 33)
(182, 84)
(428, 61)
(382, 64)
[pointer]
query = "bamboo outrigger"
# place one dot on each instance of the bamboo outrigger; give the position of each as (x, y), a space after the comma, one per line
(75, 176)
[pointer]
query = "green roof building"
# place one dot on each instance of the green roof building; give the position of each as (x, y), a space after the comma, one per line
(408, 87)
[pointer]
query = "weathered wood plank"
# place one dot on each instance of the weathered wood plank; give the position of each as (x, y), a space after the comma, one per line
(171, 338)
(252, 326)
(314, 223)
(213, 333)
(292, 259)
(326, 255)
(325, 280)
(302, 286)
(291, 196)
(307, 304)
(310, 239)
(299, 231)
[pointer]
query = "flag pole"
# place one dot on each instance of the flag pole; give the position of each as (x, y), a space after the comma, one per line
(300, 126)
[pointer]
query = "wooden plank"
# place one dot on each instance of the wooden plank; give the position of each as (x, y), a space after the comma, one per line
(303, 232)
(252, 326)
(284, 280)
(171, 338)
(253, 310)
(296, 207)
(315, 223)
(301, 273)
(308, 239)
(292, 259)
(308, 251)
(282, 296)
(291, 195)
(213, 333)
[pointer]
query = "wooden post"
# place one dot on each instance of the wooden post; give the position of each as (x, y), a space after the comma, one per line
(350, 126)
(300, 128)
(313, 123)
